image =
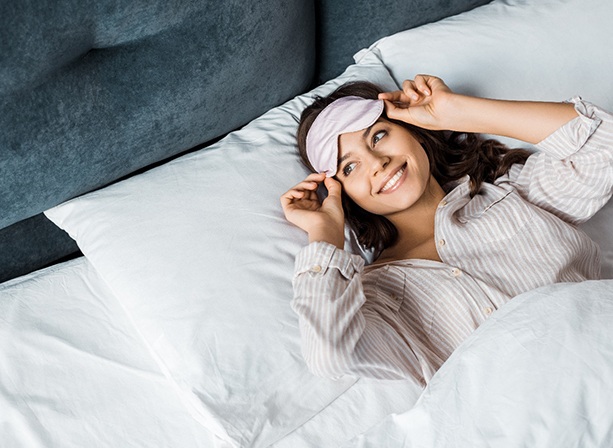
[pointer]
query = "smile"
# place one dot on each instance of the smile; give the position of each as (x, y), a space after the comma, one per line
(395, 181)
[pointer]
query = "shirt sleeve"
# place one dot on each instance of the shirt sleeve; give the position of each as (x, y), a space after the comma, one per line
(572, 173)
(339, 334)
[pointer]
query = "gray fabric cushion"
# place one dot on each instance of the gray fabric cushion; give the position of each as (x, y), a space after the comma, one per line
(94, 90)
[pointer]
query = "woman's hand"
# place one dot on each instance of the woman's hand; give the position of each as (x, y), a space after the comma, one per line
(323, 221)
(428, 103)
(425, 101)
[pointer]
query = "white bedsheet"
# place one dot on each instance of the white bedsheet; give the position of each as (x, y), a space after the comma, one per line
(74, 373)
(538, 373)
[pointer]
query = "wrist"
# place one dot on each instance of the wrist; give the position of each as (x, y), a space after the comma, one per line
(336, 238)
(457, 113)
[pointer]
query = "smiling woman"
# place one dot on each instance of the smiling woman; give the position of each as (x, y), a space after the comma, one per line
(450, 155)
(446, 213)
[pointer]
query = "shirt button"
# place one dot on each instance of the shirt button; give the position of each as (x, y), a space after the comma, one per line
(316, 268)
(488, 310)
(442, 204)
(441, 242)
(456, 272)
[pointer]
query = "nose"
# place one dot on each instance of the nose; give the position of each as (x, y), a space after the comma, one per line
(378, 163)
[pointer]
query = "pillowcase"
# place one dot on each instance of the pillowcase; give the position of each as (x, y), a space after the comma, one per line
(201, 257)
(515, 49)
(548, 50)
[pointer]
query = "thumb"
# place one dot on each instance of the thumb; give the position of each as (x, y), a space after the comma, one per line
(334, 193)
(393, 111)
(333, 205)
(333, 186)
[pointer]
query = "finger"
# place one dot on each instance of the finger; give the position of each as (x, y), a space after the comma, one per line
(311, 195)
(333, 186)
(316, 177)
(310, 185)
(291, 195)
(397, 96)
(430, 83)
(297, 194)
(333, 205)
(421, 83)
(410, 90)
(409, 115)
(393, 111)
(287, 199)
(291, 204)
(390, 109)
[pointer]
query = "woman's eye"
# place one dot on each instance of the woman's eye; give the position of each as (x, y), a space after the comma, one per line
(348, 169)
(377, 136)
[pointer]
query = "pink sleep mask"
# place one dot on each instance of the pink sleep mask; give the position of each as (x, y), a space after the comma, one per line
(347, 114)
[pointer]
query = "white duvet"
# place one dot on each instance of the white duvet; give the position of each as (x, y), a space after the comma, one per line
(538, 373)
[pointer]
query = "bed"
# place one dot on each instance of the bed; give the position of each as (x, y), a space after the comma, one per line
(172, 325)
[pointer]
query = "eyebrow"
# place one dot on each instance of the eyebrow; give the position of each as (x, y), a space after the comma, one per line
(342, 159)
(367, 130)
(364, 135)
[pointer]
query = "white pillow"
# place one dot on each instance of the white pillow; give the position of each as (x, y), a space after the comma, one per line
(200, 255)
(517, 49)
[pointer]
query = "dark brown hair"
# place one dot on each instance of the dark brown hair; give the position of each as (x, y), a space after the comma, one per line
(452, 155)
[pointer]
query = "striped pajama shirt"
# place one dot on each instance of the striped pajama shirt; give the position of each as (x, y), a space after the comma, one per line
(404, 319)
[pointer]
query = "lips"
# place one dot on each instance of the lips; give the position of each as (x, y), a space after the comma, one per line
(394, 180)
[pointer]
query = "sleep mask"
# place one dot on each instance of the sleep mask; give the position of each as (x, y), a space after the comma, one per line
(347, 114)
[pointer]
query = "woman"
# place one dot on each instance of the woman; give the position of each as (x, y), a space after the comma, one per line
(460, 225)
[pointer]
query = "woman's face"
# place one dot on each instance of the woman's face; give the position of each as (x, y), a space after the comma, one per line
(383, 168)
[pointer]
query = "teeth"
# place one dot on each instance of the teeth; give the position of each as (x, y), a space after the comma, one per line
(390, 183)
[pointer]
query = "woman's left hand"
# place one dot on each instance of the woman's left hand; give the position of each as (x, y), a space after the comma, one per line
(425, 101)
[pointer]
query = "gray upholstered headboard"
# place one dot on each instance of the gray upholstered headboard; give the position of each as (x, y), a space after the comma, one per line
(92, 91)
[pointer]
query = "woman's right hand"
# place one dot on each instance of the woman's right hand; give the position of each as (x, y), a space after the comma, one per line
(323, 221)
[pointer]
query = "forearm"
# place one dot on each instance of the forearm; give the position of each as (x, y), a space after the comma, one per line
(340, 332)
(328, 298)
(529, 121)
(572, 173)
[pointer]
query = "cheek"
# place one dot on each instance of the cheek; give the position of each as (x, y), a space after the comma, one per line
(355, 188)
(421, 160)
(358, 195)
(425, 162)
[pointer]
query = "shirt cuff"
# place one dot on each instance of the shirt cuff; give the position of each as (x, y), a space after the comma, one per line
(318, 257)
(571, 137)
